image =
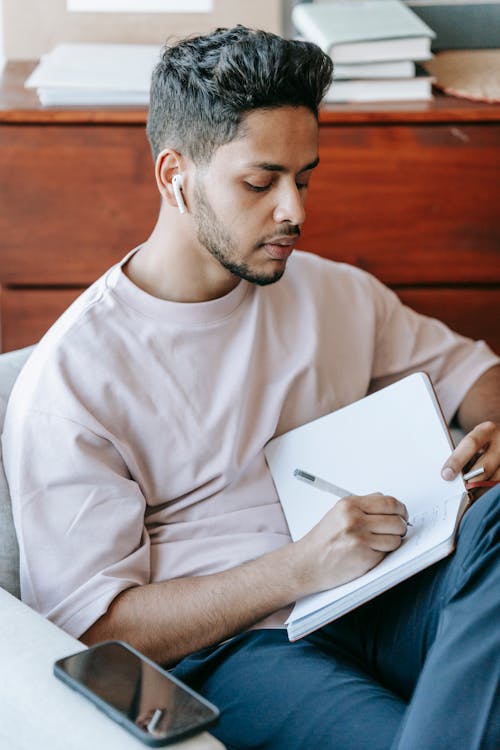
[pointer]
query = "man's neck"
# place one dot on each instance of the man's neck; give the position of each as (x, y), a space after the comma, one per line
(170, 267)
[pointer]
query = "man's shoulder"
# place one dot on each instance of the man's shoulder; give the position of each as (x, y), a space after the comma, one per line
(306, 268)
(306, 260)
(76, 328)
(58, 362)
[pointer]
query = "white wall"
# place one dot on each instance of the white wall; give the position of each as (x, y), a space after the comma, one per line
(32, 27)
(2, 57)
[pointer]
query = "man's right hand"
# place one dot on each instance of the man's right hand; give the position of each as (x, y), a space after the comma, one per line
(168, 619)
(353, 537)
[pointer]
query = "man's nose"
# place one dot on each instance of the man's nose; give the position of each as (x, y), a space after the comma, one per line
(290, 206)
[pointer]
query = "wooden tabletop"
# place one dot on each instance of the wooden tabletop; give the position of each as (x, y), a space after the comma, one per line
(21, 105)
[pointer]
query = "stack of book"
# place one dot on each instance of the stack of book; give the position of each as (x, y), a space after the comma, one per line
(374, 45)
(95, 74)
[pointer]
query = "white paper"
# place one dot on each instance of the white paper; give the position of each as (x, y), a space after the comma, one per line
(59, 97)
(430, 528)
(101, 67)
(140, 6)
(393, 441)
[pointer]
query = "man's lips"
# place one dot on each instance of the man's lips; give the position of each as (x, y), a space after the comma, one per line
(279, 248)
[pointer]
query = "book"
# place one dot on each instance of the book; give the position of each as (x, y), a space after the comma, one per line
(393, 69)
(364, 30)
(378, 89)
(69, 97)
(393, 441)
(98, 74)
(460, 24)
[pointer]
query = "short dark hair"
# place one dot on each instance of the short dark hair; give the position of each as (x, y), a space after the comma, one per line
(202, 86)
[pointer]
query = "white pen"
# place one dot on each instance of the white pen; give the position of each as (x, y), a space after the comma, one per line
(474, 473)
(321, 484)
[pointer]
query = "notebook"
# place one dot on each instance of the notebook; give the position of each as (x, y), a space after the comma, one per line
(393, 441)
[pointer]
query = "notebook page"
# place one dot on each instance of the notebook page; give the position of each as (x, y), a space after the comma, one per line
(394, 441)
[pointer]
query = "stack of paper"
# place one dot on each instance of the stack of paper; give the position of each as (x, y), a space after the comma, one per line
(374, 45)
(95, 74)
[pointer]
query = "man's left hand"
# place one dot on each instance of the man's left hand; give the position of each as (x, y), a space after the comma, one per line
(480, 448)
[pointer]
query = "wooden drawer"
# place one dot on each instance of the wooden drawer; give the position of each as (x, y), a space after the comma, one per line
(472, 312)
(408, 191)
(412, 204)
(26, 314)
(75, 199)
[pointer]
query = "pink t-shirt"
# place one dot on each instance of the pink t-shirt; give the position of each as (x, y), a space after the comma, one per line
(134, 436)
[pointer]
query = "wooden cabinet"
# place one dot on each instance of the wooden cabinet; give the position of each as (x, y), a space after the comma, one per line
(410, 192)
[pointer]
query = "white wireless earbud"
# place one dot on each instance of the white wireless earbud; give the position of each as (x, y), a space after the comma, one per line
(176, 185)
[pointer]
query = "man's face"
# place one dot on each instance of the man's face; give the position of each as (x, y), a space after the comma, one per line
(248, 202)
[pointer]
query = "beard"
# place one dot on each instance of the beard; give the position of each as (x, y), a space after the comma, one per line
(214, 236)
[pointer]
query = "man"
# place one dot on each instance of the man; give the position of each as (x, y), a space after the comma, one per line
(134, 439)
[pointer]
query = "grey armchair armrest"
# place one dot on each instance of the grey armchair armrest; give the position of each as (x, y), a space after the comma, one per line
(10, 366)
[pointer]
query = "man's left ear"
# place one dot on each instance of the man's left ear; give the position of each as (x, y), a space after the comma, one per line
(169, 178)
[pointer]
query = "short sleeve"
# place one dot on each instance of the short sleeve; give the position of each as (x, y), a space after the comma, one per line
(79, 518)
(407, 342)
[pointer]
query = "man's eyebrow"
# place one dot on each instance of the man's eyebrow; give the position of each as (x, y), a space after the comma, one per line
(269, 167)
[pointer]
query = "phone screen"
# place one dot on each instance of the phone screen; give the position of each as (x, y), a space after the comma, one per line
(133, 690)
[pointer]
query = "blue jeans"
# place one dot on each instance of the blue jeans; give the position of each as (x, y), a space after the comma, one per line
(418, 668)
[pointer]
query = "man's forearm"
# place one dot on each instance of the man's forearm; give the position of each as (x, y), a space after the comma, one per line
(479, 415)
(482, 401)
(170, 619)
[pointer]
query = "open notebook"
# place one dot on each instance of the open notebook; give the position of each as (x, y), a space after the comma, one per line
(393, 441)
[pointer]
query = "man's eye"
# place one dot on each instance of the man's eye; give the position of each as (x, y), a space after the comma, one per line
(258, 188)
(302, 185)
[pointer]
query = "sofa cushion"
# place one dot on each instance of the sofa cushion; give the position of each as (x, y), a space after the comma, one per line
(10, 365)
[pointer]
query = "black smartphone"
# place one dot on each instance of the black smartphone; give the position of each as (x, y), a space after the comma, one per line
(138, 694)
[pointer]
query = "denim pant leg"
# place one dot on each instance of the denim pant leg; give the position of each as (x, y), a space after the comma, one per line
(277, 695)
(456, 702)
(434, 641)
(415, 668)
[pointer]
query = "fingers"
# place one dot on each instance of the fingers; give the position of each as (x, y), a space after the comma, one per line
(377, 521)
(387, 524)
(384, 532)
(385, 542)
(480, 448)
(377, 503)
(351, 538)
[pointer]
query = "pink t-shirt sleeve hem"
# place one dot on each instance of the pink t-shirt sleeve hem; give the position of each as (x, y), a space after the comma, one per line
(78, 620)
(454, 385)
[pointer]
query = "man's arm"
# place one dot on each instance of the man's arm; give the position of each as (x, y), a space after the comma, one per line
(170, 619)
(479, 415)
